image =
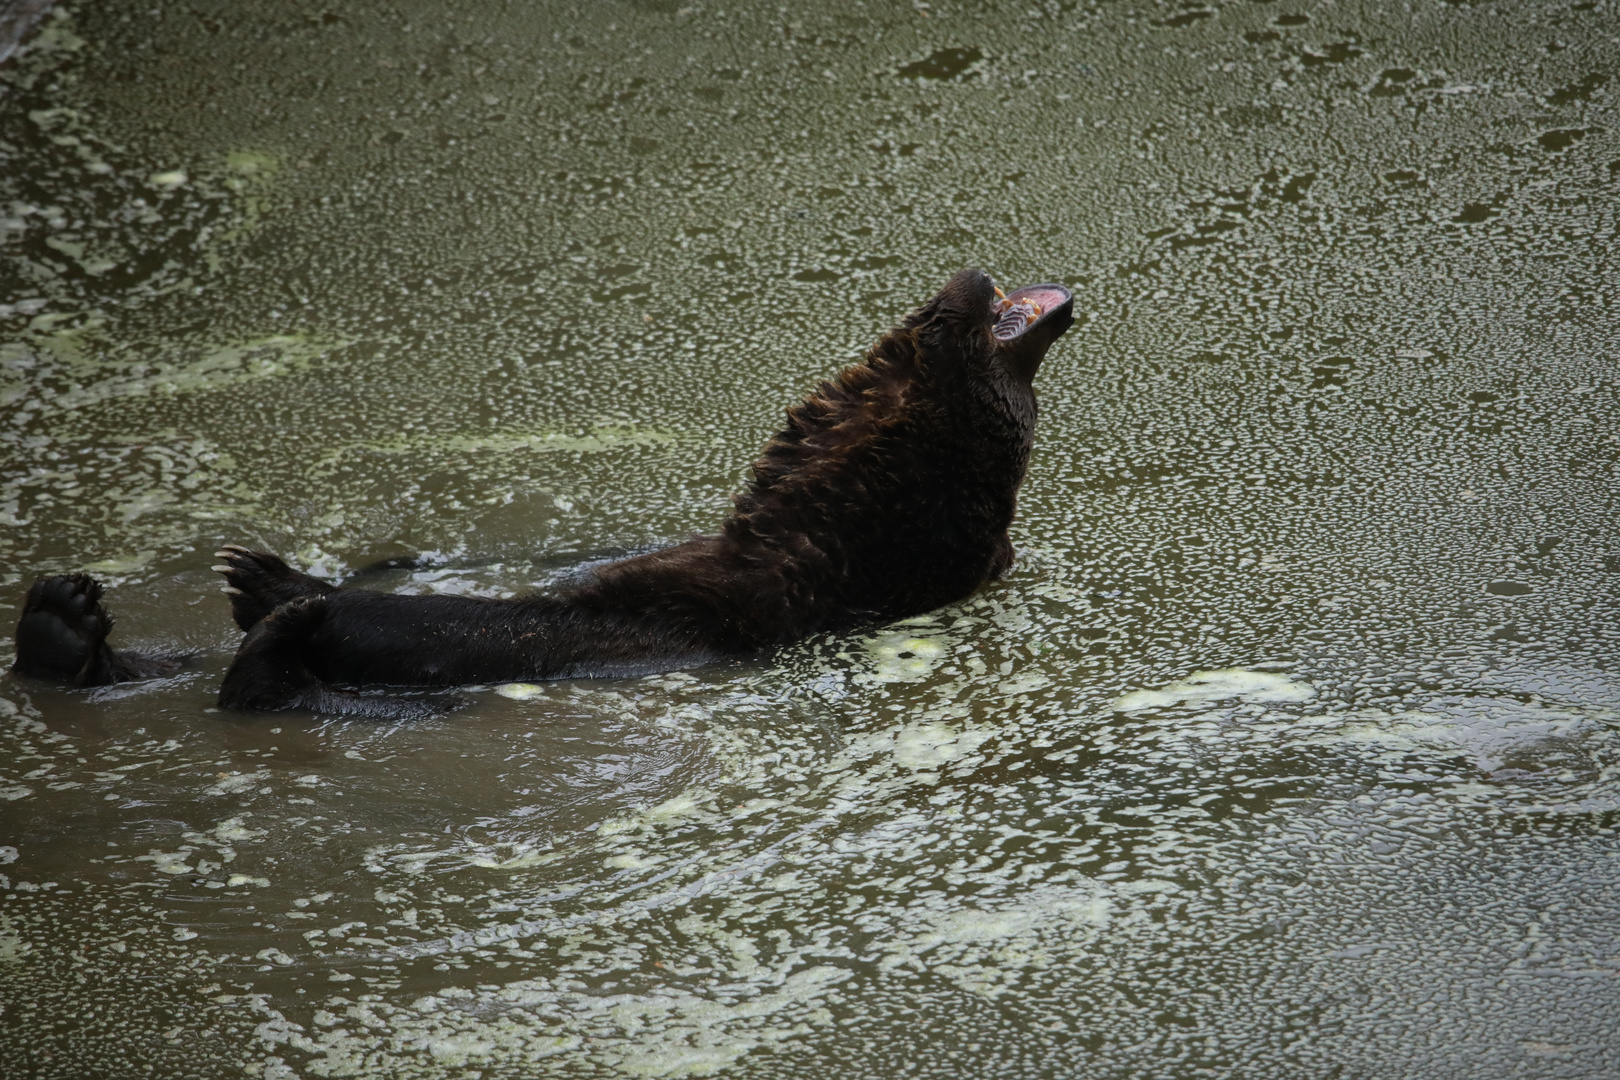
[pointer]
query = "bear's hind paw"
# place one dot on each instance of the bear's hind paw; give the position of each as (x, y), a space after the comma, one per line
(63, 632)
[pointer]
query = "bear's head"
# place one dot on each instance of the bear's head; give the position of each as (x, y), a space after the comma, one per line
(972, 320)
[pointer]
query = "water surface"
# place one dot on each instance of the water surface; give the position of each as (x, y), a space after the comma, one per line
(1289, 747)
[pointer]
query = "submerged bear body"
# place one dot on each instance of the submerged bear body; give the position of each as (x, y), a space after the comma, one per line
(888, 494)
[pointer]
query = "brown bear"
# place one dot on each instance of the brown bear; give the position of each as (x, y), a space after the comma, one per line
(888, 494)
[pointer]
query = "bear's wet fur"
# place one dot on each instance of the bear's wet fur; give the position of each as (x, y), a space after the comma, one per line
(888, 494)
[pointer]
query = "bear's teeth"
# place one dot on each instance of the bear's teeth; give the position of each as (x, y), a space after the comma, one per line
(1014, 316)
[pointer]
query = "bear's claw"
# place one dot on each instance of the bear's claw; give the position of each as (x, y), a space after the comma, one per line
(258, 583)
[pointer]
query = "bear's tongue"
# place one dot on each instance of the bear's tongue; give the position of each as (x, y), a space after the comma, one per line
(1018, 312)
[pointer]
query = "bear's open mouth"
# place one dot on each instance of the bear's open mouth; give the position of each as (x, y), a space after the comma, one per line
(1016, 312)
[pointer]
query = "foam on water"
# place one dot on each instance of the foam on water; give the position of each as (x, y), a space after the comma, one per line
(1202, 687)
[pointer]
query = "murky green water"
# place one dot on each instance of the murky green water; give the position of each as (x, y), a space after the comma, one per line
(1290, 748)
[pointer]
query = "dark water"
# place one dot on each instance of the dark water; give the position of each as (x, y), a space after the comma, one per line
(1290, 747)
